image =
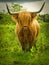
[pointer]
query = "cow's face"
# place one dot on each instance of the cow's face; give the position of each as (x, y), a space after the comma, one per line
(24, 18)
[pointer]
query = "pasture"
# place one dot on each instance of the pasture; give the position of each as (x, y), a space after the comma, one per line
(10, 49)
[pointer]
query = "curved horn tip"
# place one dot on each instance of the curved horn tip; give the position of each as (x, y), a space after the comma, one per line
(44, 3)
(41, 8)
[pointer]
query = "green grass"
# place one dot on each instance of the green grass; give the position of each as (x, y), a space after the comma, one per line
(10, 49)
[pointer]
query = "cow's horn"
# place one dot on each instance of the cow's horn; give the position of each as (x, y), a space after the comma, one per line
(9, 10)
(41, 8)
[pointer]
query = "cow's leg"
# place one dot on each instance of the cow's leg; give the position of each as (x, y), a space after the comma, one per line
(23, 46)
(35, 46)
(30, 45)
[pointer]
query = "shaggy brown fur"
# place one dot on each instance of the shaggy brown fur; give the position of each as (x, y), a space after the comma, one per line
(27, 28)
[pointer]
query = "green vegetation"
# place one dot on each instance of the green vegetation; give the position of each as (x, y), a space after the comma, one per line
(44, 18)
(10, 48)
(15, 7)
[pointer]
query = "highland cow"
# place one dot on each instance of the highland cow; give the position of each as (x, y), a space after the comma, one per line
(27, 27)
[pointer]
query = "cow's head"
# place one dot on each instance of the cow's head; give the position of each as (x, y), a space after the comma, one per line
(24, 17)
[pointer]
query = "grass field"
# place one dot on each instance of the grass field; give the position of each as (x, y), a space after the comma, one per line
(10, 48)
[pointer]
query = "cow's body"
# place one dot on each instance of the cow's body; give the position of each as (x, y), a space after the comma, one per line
(27, 29)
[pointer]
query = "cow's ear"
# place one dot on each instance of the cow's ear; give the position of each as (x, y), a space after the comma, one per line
(33, 15)
(15, 17)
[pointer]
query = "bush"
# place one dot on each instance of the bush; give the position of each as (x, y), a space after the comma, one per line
(44, 18)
